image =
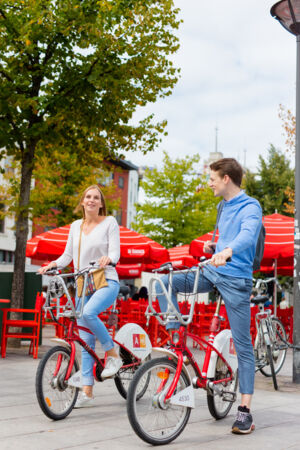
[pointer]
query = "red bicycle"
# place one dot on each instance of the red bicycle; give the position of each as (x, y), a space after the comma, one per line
(161, 413)
(58, 378)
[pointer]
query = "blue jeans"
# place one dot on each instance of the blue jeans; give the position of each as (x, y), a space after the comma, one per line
(94, 305)
(236, 295)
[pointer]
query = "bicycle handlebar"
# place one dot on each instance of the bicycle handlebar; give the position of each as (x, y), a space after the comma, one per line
(58, 287)
(172, 314)
(261, 281)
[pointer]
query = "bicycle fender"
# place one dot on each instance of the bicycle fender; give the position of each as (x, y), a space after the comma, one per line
(175, 358)
(135, 339)
(224, 344)
(61, 342)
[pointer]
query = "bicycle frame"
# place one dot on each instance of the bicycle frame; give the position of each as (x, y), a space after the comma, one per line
(181, 350)
(203, 378)
(57, 288)
(72, 337)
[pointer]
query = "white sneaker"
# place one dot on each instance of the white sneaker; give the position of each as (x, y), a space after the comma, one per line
(84, 401)
(112, 366)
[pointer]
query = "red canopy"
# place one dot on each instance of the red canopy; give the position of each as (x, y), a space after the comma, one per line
(135, 248)
(180, 257)
(279, 244)
(127, 271)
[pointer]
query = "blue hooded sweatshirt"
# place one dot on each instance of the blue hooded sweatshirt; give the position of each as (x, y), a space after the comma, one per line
(239, 227)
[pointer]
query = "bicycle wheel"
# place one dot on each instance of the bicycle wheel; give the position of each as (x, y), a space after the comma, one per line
(219, 405)
(55, 397)
(277, 348)
(270, 359)
(153, 420)
(125, 375)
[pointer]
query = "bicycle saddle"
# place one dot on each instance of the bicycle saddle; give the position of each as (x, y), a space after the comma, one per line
(260, 299)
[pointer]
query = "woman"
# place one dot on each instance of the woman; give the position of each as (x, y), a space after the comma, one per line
(100, 241)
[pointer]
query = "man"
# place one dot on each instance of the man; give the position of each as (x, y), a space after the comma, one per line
(239, 226)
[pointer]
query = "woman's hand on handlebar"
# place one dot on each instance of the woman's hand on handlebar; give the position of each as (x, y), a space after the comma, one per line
(221, 258)
(104, 261)
(43, 269)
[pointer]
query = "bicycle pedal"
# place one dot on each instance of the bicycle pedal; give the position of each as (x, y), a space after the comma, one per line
(229, 396)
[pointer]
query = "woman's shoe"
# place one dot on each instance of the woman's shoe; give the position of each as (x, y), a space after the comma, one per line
(112, 366)
(84, 401)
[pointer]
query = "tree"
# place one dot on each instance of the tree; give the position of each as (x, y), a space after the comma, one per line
(289, 126)
(72, 73)
(271, 181)
(179, 205)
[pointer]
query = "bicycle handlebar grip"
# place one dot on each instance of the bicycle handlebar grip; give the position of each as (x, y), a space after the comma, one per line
(94, 263)
(163, 267)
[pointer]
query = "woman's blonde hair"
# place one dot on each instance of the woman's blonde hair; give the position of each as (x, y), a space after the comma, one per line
(79, 207)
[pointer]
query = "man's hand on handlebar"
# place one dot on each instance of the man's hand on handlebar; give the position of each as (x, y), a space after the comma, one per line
(209, 247)
(43, 269)
(221, 258)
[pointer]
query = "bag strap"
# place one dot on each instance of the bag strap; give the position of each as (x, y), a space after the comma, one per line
(220, 207)
(79, 245)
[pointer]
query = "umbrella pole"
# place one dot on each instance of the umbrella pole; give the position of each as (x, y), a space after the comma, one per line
(275, 289)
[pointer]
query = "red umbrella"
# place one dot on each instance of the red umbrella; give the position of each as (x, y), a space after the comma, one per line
(196, 246)
(127, 271)
(279, 243)
(135, 248)
(180, 257)
(48, 245)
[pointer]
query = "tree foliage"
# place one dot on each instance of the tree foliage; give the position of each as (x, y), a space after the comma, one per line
(179, 205)
(269, 185)
(289, 127)
(72, 73)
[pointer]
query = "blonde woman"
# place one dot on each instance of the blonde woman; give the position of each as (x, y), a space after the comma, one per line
(100, 241)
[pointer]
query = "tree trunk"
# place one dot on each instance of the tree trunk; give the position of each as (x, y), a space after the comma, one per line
(17, 290)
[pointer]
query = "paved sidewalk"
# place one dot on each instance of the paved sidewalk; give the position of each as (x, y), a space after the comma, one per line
(105, 426)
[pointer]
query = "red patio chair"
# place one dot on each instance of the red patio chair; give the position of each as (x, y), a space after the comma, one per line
(32, 327)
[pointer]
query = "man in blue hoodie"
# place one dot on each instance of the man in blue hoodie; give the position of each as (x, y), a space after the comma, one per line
(239, 226)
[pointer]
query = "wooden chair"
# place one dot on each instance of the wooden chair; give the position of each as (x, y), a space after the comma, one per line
(32, 327)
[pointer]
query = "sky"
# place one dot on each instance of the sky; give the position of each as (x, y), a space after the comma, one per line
(238, 64)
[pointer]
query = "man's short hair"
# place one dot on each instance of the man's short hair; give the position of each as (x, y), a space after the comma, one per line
(230, 167)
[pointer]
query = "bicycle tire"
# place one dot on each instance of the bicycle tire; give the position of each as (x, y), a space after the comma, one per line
(270, 358)
(124, 377)
(55, 397)
(154, 421)
(218, 407)
(278, 354)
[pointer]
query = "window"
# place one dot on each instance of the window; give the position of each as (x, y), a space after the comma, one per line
(6, 256)
(121, 182)
(119, 217)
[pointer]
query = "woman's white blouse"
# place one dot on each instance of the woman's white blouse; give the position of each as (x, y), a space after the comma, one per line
(103, 240)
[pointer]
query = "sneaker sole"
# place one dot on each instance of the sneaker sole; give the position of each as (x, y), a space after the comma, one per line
(85, 405)
(236, 430)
